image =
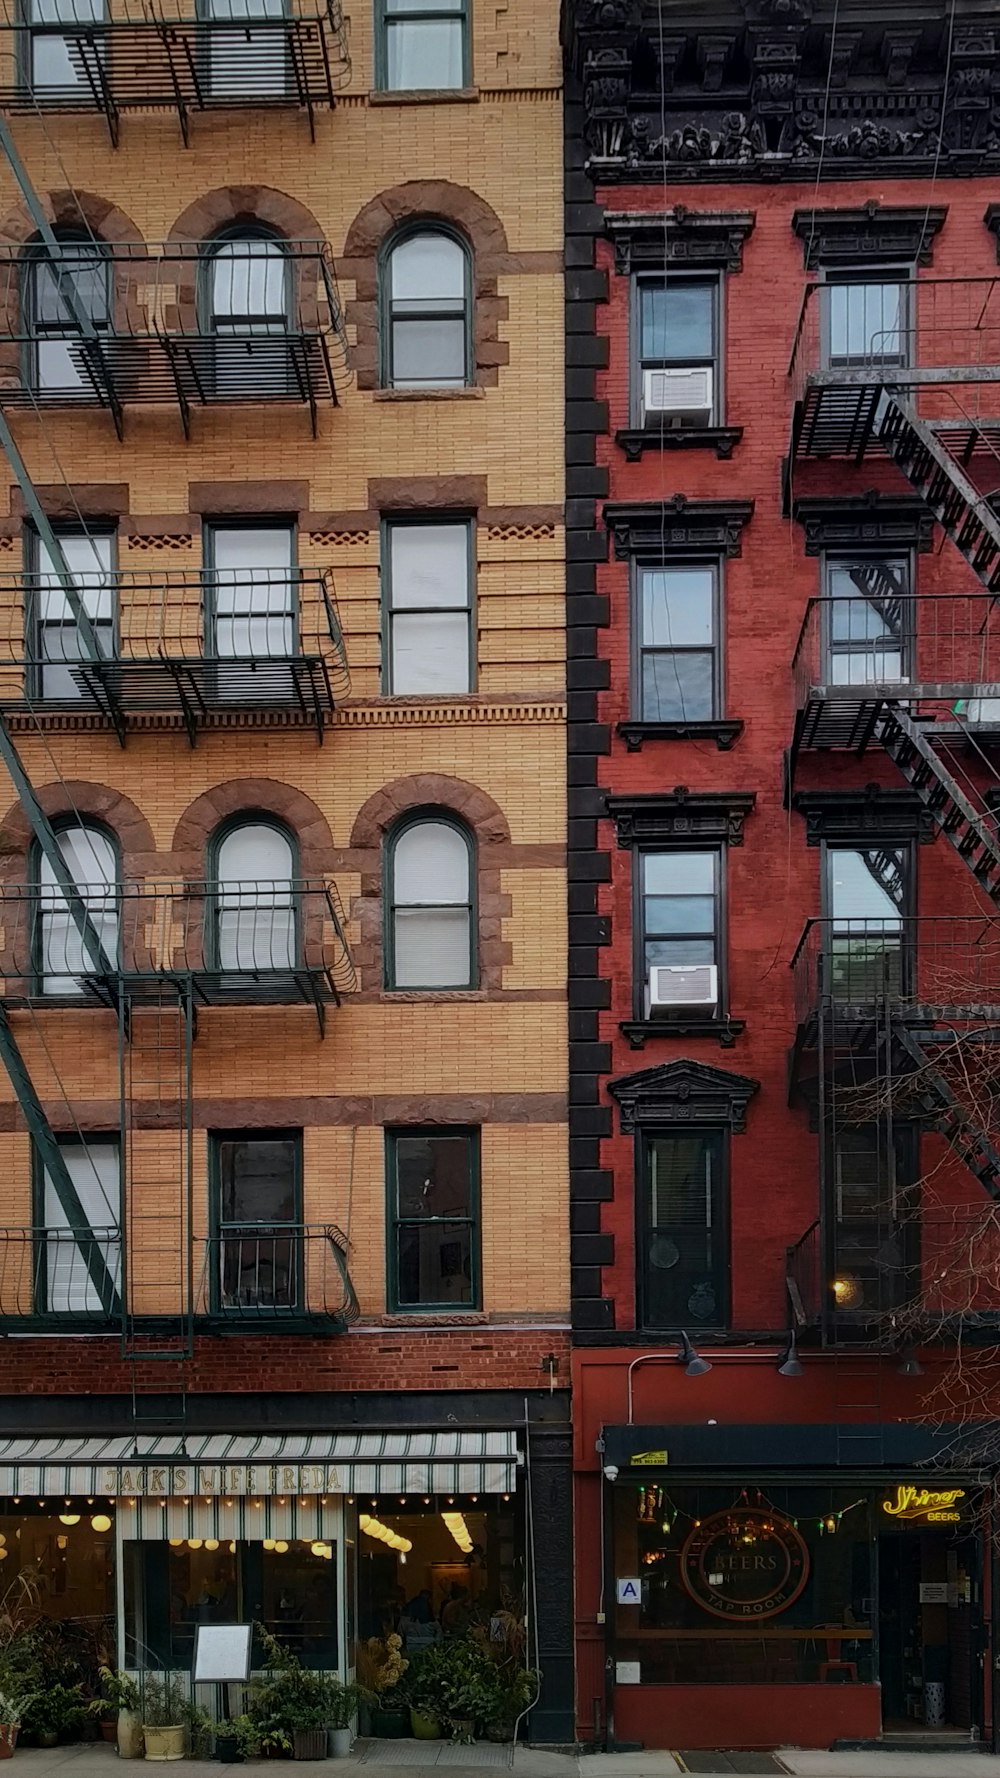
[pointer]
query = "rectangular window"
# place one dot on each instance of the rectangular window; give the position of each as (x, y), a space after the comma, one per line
(56, 64)
(73, 1273)
(678, 658)
(678, 356)
(867, 898)
(257, 1213)
(873, 1238)
(866, 319)
(427, 581)
(684, 1237)
(433, 1239)
(869, 619)
(245, 63)
(424, 45)
(679, 925)
(251, 611)
(53, 636)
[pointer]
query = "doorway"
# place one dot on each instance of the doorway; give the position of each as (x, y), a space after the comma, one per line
(929, 1634)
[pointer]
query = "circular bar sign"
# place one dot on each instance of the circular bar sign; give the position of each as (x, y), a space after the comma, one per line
(745, 1564)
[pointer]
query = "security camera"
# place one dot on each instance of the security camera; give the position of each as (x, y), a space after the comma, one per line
(611, 1472)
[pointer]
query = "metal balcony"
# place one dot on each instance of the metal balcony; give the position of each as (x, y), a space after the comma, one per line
(858, 655)
(923, 970)
(209, 650)
(196, 324)
(250, 1277)
(266, 943)
(938, 343)
(910, 1273)
(249, 55)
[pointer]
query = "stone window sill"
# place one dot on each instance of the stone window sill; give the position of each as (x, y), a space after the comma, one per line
(636, 439)
(723, 1030)
(466, 394)
(443, 95)
(723, 733)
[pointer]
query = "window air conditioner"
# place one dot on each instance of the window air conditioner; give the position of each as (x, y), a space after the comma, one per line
(674, 986)
(678, 395)
(985, 711)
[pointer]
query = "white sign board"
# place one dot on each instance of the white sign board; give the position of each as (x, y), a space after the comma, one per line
(221, 1652)
(934, 1592)
(628, 1673)
(629, 1590)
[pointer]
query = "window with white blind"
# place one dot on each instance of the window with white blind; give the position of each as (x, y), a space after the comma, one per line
(427, 308)
(61, 293)
(253, 899)
(685, 1239)
(53, 635)
(72, 1267)
(244, 62)
(430, 901)
(422, 45)
(247, 294)
(62, 959)
(251, 612)
(427, 593)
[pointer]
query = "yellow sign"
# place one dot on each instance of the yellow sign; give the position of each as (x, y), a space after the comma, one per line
(932, 1506)
(648, 1459)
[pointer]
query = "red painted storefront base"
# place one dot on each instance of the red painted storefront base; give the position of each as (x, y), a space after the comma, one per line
(746, 1715)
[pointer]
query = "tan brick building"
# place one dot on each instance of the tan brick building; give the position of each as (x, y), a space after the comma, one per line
(291, 397)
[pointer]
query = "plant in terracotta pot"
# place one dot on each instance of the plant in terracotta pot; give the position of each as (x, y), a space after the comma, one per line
(164, 1716)
(13, 1704)
(381, 1666)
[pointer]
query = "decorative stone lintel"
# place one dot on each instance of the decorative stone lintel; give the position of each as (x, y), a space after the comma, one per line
(864, 521)
(872, 234)
(634, 440)
(656, 239)
(723, 733)
(683, 1094)
(681, 816)
(656, 529)
(868, 812)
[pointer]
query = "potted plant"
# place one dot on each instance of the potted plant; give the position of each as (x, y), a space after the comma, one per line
(516, 1695)
(342, 1703)
(381, 1665)
(236, 1740)
(163, 1717)
(13, 1704)
(198, 1729)
(54, 1711)
(424, 1694)
(120, 1705)
(289, 1703)
(468, 1685)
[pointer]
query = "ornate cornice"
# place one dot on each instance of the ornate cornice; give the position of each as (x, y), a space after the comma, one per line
(868, 812)
(755, 90)
(876, 232)
(653, 239)
(864, 521)
(656, 529)
(683, 1093)
(681, 816)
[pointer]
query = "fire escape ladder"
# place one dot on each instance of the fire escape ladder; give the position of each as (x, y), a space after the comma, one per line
(962, 512)
(940, 1105)
(970, 831)
(156, 1030)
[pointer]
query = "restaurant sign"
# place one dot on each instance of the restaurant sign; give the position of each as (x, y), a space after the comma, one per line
(155, 1481)
(746, 1565)
(908, 1504)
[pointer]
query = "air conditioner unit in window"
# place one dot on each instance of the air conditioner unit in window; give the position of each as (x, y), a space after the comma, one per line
(673, 987)
(678, 395)
(981, 711)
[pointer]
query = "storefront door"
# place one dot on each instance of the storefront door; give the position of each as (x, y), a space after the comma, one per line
(929, 1621)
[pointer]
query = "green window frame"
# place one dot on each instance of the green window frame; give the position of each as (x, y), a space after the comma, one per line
(427, 607)
(444, 25)
(448, 1240)
(265, 921)
(416, 326)
(65, 1267)
(60, 961)
(453, 913)
(246, 1251)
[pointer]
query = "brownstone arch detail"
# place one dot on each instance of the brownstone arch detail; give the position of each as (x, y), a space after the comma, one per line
(82, 211)
(236, 206)
(433, 792)
(251, 797)
(92, 802)
(429, 201)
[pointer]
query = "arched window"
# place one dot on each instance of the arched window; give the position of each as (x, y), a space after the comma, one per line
(62, 959)
(253, 899)
(246, 298)
(430, 939)
(58, 295)
(428, 311)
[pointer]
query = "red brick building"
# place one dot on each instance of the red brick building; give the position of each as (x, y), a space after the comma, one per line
(783, 322)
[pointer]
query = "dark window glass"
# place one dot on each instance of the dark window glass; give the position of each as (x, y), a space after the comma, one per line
(684, 1240)
(258, 1187)
(432, 1212)
(677, 670)
(872, 1234)
(867, 900)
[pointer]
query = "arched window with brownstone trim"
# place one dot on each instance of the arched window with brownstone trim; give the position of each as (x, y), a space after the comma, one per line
(426, 309)
(430, 903)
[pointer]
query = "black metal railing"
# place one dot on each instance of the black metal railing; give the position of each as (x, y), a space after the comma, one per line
(930, 650)
(245, 321)
(49, 1274)
(254, 942)
(899, 331)
(920, 967)
(925, 1269)
(131, 57)
(202, 645)
(263, 1273)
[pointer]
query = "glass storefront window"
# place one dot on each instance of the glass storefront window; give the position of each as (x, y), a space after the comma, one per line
(172, 1588)
(459, 1570)
(742, 1586)
(70, 1565)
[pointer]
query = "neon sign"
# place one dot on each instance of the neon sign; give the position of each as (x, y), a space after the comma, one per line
(933, 1506)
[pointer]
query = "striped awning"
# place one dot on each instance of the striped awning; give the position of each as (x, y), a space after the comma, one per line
(238, 1464)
